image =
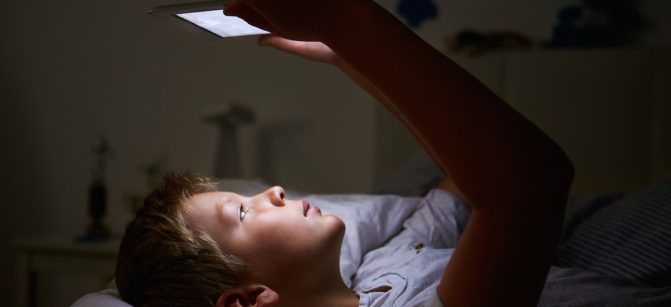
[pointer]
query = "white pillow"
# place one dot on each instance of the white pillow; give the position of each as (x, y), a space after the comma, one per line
(105, 298)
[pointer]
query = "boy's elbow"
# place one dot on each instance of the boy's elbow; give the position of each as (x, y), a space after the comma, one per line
(551, 181)
(555, 181)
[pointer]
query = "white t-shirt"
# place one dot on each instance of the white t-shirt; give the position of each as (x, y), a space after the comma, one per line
(407, 269)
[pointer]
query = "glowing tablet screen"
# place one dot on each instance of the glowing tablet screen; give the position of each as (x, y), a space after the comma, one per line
(220, 24)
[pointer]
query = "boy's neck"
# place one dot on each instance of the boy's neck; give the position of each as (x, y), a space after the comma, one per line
(340, 298)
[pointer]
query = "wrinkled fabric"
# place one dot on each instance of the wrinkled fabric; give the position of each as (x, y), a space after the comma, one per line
(407, 269)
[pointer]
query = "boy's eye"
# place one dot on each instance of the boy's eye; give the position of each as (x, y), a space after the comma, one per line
(242, 212)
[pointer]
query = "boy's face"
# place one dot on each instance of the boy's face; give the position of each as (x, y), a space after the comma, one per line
(277, 238)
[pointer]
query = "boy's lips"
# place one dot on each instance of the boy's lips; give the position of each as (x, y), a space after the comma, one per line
(308, 209)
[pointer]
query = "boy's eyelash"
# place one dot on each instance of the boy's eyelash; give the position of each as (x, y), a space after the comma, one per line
(242, 212)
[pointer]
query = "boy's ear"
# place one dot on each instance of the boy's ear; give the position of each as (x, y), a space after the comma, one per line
(251, 295)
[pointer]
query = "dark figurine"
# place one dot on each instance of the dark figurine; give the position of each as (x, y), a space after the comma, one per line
(98, 192)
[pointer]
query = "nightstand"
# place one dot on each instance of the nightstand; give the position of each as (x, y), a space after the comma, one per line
(61, 256)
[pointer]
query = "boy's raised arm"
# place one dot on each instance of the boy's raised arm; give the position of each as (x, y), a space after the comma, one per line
(515, 177)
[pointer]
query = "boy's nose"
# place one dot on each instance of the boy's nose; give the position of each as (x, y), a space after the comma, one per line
(276, 195)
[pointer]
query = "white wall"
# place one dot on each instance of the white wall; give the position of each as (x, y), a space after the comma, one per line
(71, 70)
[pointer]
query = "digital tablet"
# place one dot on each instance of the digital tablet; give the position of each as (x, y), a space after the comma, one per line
(206, 18)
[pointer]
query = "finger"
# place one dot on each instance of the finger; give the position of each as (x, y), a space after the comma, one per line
(265, 39)
(283, 44)
(275, 40)
(243, 11)
(315, 51)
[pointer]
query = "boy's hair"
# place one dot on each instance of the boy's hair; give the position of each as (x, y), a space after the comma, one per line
(165, 262)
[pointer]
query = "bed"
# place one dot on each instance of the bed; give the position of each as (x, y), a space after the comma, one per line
(615, 249)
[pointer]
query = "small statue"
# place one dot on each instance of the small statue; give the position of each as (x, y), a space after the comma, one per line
(98, 192)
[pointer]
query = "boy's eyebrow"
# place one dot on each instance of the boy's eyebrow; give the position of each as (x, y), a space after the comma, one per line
(219, 207)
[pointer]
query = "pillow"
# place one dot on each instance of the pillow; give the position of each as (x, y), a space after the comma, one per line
(582, 206)
(105, 298)
(576, 287)
(630, 238)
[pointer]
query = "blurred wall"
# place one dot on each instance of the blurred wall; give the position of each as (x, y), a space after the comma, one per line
(73, 70)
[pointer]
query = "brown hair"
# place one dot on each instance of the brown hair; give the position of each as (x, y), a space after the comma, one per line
(163, 261)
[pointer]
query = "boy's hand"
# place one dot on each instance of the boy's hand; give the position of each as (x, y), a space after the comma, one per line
(315, 51)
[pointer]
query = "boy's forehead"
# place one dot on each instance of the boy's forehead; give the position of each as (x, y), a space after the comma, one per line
(203, 210)
(211, 198)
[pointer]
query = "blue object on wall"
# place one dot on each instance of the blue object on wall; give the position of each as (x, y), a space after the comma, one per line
(415, 12)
